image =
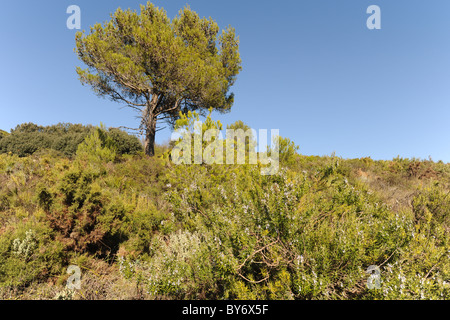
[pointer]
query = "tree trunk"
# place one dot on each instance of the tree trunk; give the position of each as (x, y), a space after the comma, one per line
(150, 133)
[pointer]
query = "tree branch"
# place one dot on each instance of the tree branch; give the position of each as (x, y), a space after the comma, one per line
(160, 129)
(177, 105)
(131, 106)
(134, 129)
(164, 118)
(121, 79)
(117, 96)
(251, 281)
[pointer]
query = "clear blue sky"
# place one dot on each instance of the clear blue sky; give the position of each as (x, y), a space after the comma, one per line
(310, 68)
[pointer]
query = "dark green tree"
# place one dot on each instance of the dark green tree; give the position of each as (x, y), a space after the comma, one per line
(159, 66)
(28, 138)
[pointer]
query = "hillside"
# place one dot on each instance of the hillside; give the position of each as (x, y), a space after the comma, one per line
(143, 228)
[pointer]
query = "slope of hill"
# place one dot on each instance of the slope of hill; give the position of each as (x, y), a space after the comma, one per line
(139, 227)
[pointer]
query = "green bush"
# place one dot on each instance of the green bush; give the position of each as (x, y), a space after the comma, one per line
(287, 150)
(125, 143)
(29, 254)
(431, 208)
(97, 149)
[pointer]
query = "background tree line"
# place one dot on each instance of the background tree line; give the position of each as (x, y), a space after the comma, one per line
(29, 138)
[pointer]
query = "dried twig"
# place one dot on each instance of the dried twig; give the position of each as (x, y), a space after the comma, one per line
(257, 251)
(388, 258)
(264, 258)
(254, 282)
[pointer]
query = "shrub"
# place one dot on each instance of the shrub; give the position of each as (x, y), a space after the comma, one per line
(431, 208)
(29, 254)
(97, 148)
(284, 236)
(287, 150)
(125, 143)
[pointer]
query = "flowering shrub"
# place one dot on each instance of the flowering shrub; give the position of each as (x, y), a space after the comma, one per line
(24, 248)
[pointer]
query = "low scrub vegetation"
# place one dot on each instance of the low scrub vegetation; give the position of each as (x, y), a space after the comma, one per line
(144, 228)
